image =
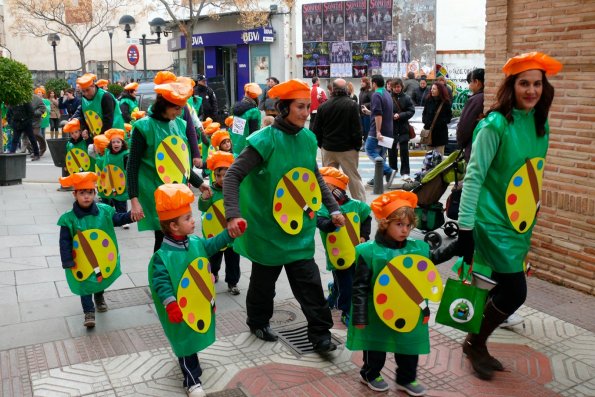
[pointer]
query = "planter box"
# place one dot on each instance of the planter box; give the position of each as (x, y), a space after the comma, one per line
(58, 151)
(13, 168)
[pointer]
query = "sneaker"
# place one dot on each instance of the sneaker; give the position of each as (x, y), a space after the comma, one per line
(89, 320)
(345, 319)
(377, 384)
(370, 182)
(413, 389)
(265, 333)
(233, 289)
(512, 320)
(126, 226)
(35, 158)
(324, 346)
(196, 391)
(406, 178)
(101, 305)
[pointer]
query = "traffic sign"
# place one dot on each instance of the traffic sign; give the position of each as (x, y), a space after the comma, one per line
(133, 55)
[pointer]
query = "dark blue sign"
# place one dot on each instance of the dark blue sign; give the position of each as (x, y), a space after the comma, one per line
(132, 54)
(253, 36)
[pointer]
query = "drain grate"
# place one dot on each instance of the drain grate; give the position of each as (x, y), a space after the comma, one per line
(128, 297)
(237, 392)
(297, 339)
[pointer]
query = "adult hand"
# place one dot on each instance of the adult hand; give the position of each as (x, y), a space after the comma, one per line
(136, 211)
(205, 190)
(197, 162)
(174, 313)
(338, 220)
(236, 227)
(466, 245)
(396, 116)
(379, 136)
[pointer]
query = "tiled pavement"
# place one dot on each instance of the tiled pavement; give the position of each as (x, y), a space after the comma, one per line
(45, 351)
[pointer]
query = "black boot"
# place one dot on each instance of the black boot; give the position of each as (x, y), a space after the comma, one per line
(475, 347)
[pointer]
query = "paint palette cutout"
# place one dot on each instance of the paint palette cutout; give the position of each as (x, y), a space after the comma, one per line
(523, 195)
(340, 244)
(94, 252)
(213, 220)
(297, 194)
(112, 180)
(196, 295)
(172, 160)
(94, 122)
(401, 290)
(77, 160)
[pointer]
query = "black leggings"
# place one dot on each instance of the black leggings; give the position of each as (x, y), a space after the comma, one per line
(54, 125)
(511, 291)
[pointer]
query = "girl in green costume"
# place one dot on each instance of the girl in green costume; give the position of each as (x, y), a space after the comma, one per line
(502, 193)
(77, 156)
(112, 174)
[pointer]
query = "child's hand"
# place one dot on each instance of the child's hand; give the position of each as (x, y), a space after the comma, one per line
(205, 191)
(136, 211)
(362, 239)
(197, 162)
(174, 314)
(236, 227)
(338, 220)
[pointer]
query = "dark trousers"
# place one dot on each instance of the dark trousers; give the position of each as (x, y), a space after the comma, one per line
(191, 370)
(374, 362)
(343, 280)
(312, 120)
(54, 125)
(158, 240)
(16, 138)
(304, 279)
(393, 156)
(510, 292)
(87, 302)
(365, 126)
(232, 265)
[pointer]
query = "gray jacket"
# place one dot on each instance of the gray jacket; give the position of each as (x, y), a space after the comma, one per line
(38, 110)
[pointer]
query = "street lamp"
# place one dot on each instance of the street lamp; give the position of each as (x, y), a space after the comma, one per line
(157, 25)
(54, 40)
(110, 32)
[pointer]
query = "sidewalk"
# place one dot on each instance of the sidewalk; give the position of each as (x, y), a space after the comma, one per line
(45, 350)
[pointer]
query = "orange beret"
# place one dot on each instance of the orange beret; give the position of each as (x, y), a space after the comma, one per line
(219, 137)
(207, 122)
(212, 128)
(102, 83)
(138, 114)
(80, 180)
(131, 87)
(127, 127)
(173, 200)
(186, 80)
(252, 90)
(532, 60)
(334, 176)
(163, 77)
(72, 126)
(86, 80)
(291, 89)
(384, 205)
(114, 133)
(39, 90)
(100, 142)
(219, 159)
(176, 93)
(229, 121)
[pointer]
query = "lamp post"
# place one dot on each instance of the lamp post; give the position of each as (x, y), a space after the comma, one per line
(54, 40)
(110, 32)
(157, 25)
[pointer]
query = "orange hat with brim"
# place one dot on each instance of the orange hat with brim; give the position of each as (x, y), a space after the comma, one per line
(128, 127)
(138, 114)
(207, 122)
(219, 137)
(334, 176)
(384, 205)
(219, 159)
(131, 87)
(292, 89)
(100, 142)
(532, 60)
(114, 133)
(229, 121)
(39, 90)
(86, 80)
(72, 126)
(163, 77)
(102, 83)
(252, 90)
(80, 180)
(212, 128)
(176, 93)
(173, 200)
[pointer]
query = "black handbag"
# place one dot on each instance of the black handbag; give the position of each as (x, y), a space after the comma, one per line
(452, 203)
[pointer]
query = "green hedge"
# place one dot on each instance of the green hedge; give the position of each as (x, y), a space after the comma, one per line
(16, 83)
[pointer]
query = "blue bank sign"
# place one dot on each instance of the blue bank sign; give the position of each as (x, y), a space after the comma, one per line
(252, 36)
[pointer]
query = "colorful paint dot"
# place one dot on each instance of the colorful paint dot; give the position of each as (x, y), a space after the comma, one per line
(356, 218)
(388, 314)
(522, 226)
(183, 302)
(408, 262)
(191, 317)
(183, 147)
(174, 140)
(383, 280)
(73, 254)
(161, 169)
(514, 216)
(295, 176)
(422, 266)
(160, 156)
(305, 177)
(400, 323)
(381, 299)
(185, 282)
(431, 276)
(312, 186)
(340, 262)
(332, 239)
(200, 264)
(434, 290)
(294, 225)
(105, 242)
(280, 192)
(540, 164)
(93, 236)
(200, 324)
(121, 175)
(278, 206)
(512, 199)
(283, 218)
(79, 274)
(208, 216)
(108, 269)
(167, 179)
(75, 244)
(335, 251)
(517, 181)
(210, 235)
(314, 200)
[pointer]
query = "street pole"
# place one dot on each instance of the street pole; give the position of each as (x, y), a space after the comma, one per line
(55, 60)
(144, 56)
(111, 53)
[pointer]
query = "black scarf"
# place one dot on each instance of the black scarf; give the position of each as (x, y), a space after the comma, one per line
(285, 126)
(383, 240)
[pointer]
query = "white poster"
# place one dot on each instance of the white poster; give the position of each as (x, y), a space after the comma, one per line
(238, 125)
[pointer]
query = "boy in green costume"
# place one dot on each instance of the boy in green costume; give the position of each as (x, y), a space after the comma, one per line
(77, 156)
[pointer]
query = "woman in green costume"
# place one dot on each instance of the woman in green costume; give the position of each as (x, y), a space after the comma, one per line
(502, 193)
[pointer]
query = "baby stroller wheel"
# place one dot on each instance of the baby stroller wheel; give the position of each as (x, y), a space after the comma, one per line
(433, 239)
(451, 229)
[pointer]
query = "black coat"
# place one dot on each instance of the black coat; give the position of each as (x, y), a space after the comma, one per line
(440, 130)
(337, 125)
(406, 110)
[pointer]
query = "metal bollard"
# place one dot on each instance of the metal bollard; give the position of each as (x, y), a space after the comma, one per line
(378, 174)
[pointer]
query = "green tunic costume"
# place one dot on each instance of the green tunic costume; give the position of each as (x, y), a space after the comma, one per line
(132, 104)
(45, 118)
(503, 189)
(95, 251)
(239, 140)
(265, 241)
(78, 160)
(376, 335)
(175, 261)
(93, 113)
(165, 160)
(112, 175)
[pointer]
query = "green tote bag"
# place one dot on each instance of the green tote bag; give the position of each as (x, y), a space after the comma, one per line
(462, 306)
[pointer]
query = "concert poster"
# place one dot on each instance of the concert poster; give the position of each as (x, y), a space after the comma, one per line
(334, 22)
(356, 20)
(380, 20)
(312, 22)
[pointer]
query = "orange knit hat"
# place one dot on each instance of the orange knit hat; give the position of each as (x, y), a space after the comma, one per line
(219, 137)
(291, 89)
(384, 205)
(100, 142)
(173, 200)
(72, 126)
(207, 122)
(532, 60)
(102, 83)
(80, 180)
(219, 159)
(252, 90)
(138, 114)
(128, 127)
(114, 133)
(229, 121)
(174, 90)
(86, 80)
(212, 128)
(334, 176)
(131, 87)
(39, 90)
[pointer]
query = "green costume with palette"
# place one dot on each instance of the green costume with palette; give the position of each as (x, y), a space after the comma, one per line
(93, 112)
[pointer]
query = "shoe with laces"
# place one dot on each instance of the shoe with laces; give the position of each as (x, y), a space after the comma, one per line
(233, 289)
(196, 391)
(413, 389)
(324, 346)
(89, 321)
(100, 304)
(377, 384)
(512, 320)
(265, 333)
(370, 182)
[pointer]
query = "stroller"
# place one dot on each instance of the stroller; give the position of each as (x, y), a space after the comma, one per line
(429, 189)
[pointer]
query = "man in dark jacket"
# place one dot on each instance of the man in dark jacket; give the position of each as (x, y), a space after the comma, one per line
(69, 103)
(472, 111)
(210, 107)
(268, 104)
(420, 93)
(403, 110)
(410, 84)
(338, 131)
(20, 118)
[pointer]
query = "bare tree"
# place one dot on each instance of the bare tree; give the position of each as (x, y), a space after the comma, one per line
(80, 20)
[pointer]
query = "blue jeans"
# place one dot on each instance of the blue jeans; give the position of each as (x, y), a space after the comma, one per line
(365, 125)
(373, 150)
(87, 302)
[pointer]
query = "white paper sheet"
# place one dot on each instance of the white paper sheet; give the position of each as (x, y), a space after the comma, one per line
(386, 142)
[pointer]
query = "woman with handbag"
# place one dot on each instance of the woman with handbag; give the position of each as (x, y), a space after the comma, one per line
(436, 116)
(501, 197)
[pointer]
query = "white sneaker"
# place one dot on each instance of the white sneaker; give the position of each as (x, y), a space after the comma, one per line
(406, 178)
(512, 320)
(196, 391)
(126, 226)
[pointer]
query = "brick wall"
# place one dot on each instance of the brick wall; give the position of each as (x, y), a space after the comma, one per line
(563, 245)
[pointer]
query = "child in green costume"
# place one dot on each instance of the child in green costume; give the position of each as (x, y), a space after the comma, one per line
(77, 156)
(182, 283)
(88, 245)
(112, 177)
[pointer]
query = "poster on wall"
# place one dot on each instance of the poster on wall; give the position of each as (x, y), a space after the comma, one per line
(260, 70)
(390, 59)
(316, 59)
(380, 20)
(356, 20)
(334, 22)
(367, 58)
(340, 59)
(312, 22)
